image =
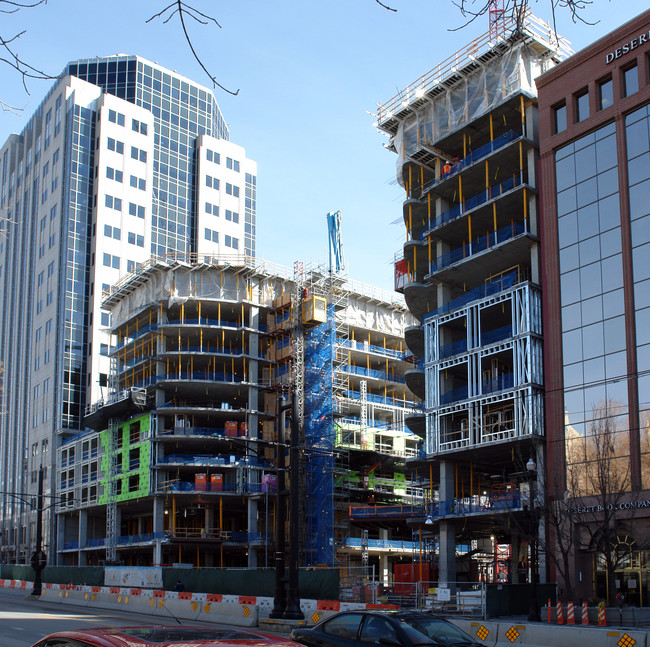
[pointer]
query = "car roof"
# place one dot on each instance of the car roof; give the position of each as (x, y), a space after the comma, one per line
(173, 636)
(396, 613)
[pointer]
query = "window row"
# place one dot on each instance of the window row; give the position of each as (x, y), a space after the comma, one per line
(604, 97)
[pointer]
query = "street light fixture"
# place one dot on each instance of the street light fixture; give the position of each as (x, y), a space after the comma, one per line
(533, 608)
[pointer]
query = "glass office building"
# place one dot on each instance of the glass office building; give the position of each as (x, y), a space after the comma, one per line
(123, 161)
(595, 155)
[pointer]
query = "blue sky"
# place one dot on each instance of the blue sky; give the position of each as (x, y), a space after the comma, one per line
(307, 71)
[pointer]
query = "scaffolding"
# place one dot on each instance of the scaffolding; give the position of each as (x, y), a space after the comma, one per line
(319, 442)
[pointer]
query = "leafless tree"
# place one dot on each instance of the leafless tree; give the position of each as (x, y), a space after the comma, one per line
(10, 55)
(599, 488)
(517, 9)
(558, 540)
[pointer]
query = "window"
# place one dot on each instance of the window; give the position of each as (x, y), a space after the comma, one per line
(138, 154)
(232, 190)
(212, 235)
(112, 232)
(211, 156)
(231, 241)
(630, 80)
(344, 626)
(115, 145)
(111, 261)
(130, 266)
(582, 106)
(57, 115)
(134, 239)
(232, 216)
(116, 117)
(139, 127)
(48, 129)
(232, 164)
(105, 318)
(605, 94)
(136, 210)
(138, 183)
(113, 203)
(211, 182)
(113, 174)
(559, 118)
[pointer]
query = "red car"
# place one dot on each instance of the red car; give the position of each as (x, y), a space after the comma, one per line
(217, 636)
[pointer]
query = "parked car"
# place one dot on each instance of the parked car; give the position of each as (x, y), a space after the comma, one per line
(388, 628)
(216, 636)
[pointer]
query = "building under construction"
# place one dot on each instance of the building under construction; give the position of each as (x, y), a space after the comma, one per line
(465, 135)
(183, 464)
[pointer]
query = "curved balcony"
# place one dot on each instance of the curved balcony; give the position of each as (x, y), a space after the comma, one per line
(420, 298)
(416, 421)
(415, 382)
(414, 338)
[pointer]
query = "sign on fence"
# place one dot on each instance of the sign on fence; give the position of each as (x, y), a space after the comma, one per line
(146, 577)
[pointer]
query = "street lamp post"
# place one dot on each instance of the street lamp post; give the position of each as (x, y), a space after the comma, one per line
(533, 607)
(38, 559)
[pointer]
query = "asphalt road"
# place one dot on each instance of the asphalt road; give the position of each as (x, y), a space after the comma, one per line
(23, 621)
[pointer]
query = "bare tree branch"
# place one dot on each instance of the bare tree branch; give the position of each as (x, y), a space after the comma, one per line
(381, 4)
(517, 9)
(17, 6)
(182, 9)
(11, 56)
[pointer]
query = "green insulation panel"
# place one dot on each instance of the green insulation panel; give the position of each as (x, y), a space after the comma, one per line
(133, 456)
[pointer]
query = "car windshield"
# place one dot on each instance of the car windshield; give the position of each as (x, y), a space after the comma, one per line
(434, 629)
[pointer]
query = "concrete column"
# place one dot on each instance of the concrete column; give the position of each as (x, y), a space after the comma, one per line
(83, 534)
(252, 528)
(447, 561)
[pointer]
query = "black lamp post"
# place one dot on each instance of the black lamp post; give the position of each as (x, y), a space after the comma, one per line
(38, 559)
(533, 607)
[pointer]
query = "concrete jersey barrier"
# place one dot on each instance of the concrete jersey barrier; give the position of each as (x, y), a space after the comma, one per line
(251, 611)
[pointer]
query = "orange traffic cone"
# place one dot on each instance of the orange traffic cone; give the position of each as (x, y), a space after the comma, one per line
(570, 614)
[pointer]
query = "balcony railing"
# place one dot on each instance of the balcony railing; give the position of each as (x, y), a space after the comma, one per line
(477, 246)
(371, 372)
(474, 156)
(471, 203)
(493, 287)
